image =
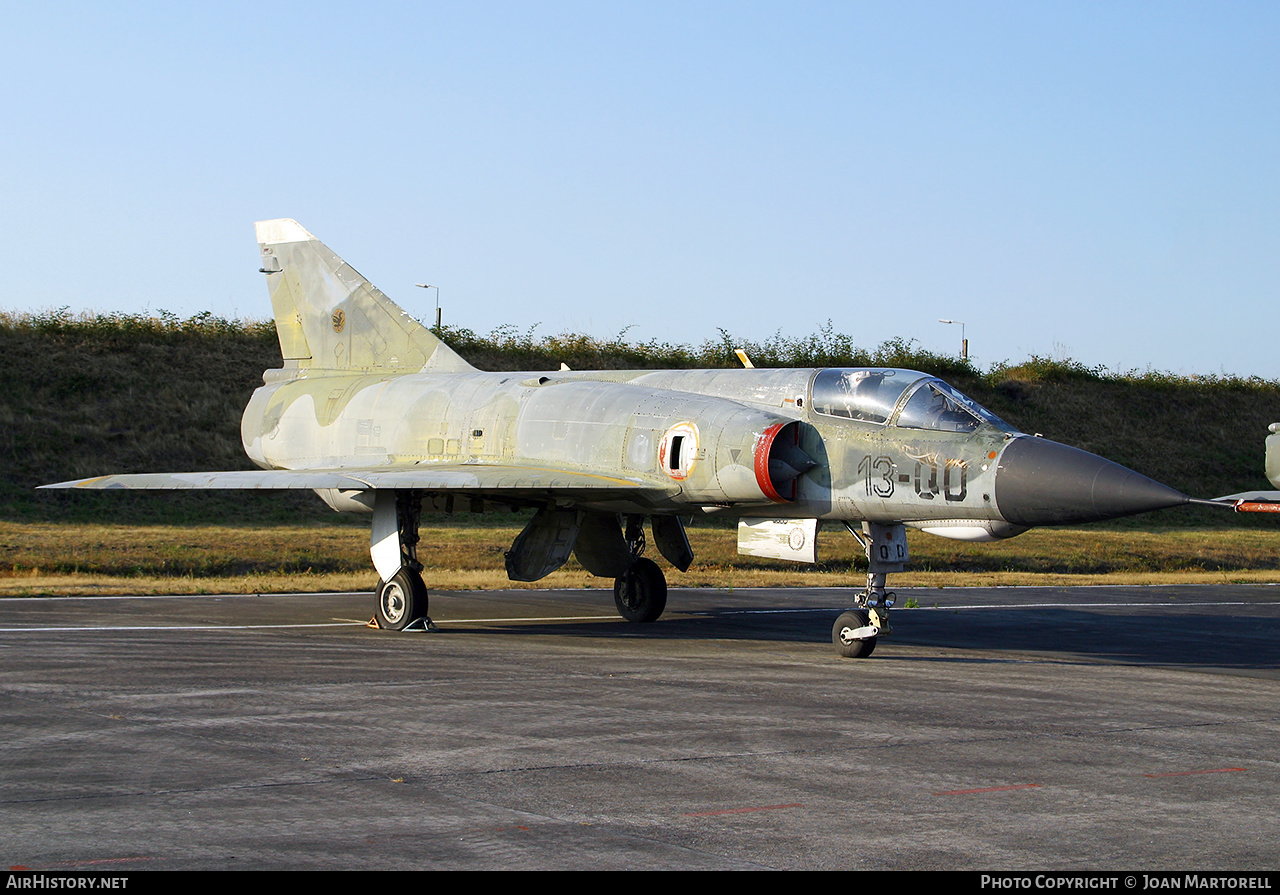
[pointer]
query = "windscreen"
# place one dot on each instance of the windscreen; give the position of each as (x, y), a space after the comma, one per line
(936, 405)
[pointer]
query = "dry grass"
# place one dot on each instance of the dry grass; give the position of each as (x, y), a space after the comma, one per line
(48, 558)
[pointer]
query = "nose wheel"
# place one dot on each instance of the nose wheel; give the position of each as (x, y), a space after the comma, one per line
(854, 633)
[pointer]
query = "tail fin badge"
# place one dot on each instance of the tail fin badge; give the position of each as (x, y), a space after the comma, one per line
(339, 320)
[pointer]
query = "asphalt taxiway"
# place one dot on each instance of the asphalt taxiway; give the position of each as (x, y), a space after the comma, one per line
(1012, 728)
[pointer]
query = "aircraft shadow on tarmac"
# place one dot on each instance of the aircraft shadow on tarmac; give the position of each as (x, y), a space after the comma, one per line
(1199, 639)
(1190, 640)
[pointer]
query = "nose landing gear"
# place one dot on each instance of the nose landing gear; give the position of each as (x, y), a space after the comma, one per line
(856, 631)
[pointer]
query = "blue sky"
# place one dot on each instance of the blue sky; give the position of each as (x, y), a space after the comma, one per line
(1096, 180)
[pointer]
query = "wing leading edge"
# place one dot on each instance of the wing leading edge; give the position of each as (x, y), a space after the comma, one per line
(461, 478)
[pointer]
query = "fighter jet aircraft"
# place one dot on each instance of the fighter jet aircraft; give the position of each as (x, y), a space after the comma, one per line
(1273, 454)
(1259, 501)
(376, 414)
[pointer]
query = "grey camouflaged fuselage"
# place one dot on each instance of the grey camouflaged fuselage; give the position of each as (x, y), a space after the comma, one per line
(611, 423)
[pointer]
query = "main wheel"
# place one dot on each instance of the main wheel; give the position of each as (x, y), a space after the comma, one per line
(842, 630)
(401, 600)
(641, 593)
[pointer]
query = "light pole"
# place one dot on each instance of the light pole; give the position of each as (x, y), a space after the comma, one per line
(964, 343)
(437, 288)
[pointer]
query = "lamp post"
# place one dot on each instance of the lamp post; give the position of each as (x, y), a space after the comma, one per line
(964, 343)
(437, 288)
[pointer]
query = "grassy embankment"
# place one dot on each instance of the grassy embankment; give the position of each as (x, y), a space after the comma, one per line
(94, 394)
(84, 558)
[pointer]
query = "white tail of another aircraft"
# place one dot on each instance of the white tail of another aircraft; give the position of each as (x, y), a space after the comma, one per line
(329, 317)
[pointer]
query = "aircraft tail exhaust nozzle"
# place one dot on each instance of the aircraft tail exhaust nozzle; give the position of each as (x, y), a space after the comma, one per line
(1042, 482)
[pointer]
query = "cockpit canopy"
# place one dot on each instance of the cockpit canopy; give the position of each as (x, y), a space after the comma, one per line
(906, 398)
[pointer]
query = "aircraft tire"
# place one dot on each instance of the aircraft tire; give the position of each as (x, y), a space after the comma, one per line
(401, 600)
(852, 649)
(641, 593)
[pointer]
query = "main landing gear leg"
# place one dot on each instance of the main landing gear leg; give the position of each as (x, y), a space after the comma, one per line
(401, 597)
(856, 631)
(640, 593)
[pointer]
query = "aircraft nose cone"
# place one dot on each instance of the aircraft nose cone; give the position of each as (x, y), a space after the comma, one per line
(1041, 482)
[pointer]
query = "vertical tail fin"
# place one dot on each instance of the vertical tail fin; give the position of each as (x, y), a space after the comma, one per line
(330, 317)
